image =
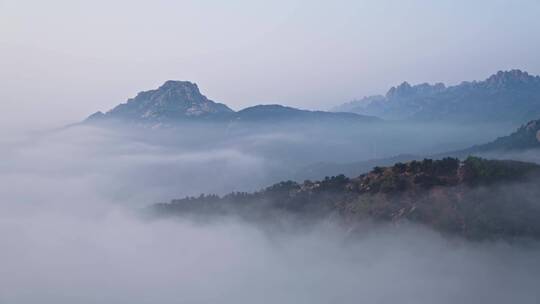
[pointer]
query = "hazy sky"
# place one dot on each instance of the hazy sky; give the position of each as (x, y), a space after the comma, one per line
(63, 59)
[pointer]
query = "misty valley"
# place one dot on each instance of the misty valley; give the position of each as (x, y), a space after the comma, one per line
(428, 194)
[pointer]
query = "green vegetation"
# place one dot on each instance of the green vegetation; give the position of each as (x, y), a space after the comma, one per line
(476, 198)
(479, 170)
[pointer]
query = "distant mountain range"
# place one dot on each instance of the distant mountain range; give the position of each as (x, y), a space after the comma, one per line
(181, 101)
(505, 97)
(510, 96)
(475, 198)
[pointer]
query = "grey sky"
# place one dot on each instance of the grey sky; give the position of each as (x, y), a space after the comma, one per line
(63, 59)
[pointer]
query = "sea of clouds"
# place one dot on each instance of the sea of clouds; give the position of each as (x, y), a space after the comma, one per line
(71, 232)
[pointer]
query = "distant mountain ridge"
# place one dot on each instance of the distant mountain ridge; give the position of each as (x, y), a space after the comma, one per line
(507, 96)
(178, 101)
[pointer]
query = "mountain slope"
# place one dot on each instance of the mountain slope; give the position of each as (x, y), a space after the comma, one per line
(511, 96)
(525, 139)
(476, 198)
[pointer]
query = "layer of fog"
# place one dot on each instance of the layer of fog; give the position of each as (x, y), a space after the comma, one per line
(117, 259)
(70, 233)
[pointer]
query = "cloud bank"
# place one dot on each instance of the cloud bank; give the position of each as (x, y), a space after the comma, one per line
(70, 235)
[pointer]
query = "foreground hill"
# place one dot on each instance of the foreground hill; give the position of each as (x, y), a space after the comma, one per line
(511, 96)
(181, 101)
(476, 198)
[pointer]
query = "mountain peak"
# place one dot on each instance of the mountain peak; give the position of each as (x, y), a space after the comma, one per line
(179, 85)
(173, 100)
(177, 91)
(406, 90)
(511, 77)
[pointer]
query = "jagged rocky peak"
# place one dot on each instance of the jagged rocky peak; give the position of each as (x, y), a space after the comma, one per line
(171, 101)
(406, 90)
(512, 77)
(179, 95)
(402, 90)
(180, 88)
